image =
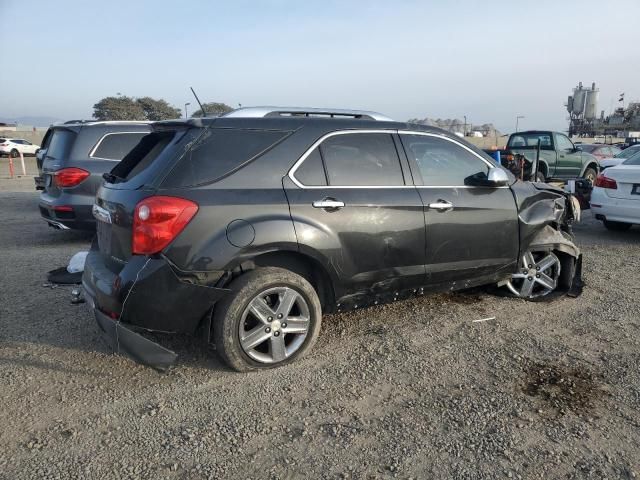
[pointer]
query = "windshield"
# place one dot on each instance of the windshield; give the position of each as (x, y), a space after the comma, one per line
(633, 160)
(628, 152)
(530, 140)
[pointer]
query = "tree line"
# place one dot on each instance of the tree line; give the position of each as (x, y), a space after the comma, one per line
(146, 108)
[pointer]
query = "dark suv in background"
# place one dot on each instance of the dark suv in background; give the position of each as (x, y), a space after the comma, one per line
(71, 161)
(251, 225)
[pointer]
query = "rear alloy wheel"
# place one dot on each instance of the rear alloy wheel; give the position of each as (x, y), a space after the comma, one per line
(616, 226)
(271, 317)
(538, 275)
(590, 174)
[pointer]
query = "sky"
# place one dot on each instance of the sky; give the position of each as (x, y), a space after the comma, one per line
(489, 60)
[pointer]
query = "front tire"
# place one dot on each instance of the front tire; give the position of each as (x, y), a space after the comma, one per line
(14, 153)
(538, 275)
(271, 317)
(616, 226)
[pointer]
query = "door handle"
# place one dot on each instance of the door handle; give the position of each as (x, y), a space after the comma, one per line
(441, 205)
(328, 203)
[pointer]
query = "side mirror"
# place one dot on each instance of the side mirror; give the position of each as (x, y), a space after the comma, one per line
(497, 177)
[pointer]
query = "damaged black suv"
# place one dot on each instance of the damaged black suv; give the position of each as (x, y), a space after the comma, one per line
(250, 226)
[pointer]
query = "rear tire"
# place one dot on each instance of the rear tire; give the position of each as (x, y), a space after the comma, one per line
(616, 226)
(257, 309)
(14, 153)
(590, 174)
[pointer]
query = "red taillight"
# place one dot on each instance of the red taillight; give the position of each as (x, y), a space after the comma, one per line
(69, 177)
(605, 182)
(157, 221)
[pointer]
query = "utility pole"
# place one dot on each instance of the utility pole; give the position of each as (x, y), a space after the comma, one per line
(464, 132)
(517, 120)
(186, 115)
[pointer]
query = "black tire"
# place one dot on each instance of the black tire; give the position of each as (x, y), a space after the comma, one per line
(590, 174)
(228, 314)
(616, 226)
(14, 153)
(540, 177)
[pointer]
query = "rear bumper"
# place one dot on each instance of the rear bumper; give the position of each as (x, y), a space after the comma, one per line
(145, 294)
(614, 209)
(78, 218)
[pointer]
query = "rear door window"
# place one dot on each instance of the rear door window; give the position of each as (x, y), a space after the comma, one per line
(361, 159)
(218, 152)
(114, 146)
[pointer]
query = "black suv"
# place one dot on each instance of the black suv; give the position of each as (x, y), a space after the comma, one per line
(71, 161)
(251, 225)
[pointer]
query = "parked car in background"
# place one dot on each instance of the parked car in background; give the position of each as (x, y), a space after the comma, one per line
(620, 157)
(560, 159)
(252, 225)
(74, 157)
(14, 146)
(599, 150)
(616, 195)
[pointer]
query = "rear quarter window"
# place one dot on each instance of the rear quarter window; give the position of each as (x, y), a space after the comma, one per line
(218, 152)
(60, 143)
(114, 146)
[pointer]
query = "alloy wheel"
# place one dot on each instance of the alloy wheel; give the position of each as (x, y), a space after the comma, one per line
(538, 275)
(274, 325)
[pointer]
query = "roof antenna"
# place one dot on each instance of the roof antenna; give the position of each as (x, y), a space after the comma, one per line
(204, 113)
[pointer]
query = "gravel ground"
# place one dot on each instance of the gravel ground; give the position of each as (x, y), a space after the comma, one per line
(415, 389)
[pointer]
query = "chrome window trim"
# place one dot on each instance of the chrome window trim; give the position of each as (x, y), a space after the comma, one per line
(304, 156)
(95, 147)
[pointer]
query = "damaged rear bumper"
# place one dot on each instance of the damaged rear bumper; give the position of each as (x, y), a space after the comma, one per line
(135, 346)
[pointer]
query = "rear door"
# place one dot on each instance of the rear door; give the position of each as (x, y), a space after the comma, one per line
(354, 208)
(472, 232)
(569, 158)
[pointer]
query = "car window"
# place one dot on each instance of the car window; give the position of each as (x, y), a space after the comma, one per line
(530, 140)
(219, 151)
(628, 152)
(633, 160)
(312, 172)
(442, 162)
(60, 143)
(614, 151)
(361, 159)
(114, 146)
(563, 142)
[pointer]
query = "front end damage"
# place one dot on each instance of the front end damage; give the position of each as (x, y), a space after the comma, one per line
(546, 215)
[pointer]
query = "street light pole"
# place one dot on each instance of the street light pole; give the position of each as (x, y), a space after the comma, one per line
(186, 115)
(517, 120)
(464, 133)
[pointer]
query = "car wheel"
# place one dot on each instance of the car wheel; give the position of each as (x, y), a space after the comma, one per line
(616, 226)
(271, 318)
(538, 275)
(14, 153)
(590, 174)
(540, 177)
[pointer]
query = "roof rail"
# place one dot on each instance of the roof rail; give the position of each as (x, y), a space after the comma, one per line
(260, 112)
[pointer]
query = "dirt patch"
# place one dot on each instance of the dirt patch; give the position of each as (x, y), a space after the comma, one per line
(563, 388)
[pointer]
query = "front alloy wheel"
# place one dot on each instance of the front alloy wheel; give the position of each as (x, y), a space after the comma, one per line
(538, 275)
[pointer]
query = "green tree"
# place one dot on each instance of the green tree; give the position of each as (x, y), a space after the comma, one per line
(157, 109)
(213, 108)
(118, 108)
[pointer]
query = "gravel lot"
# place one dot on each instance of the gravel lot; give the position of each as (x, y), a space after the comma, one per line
(414, 389)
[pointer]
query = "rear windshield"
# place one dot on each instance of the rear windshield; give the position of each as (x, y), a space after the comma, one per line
(60, 143)
(530, 140)
(628, 152)
(218, 152)
(634, 160)
(588, 148)
(114, 146)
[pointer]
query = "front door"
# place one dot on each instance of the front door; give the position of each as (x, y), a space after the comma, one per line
(353, 210)
(472, 232)
(569, 158)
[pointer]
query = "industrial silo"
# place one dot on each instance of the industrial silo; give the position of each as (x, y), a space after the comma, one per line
(591, 103)
(579, 97)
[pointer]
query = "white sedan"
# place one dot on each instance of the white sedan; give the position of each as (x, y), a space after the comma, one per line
(620, 157)
(616, 195)
(13, 147)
